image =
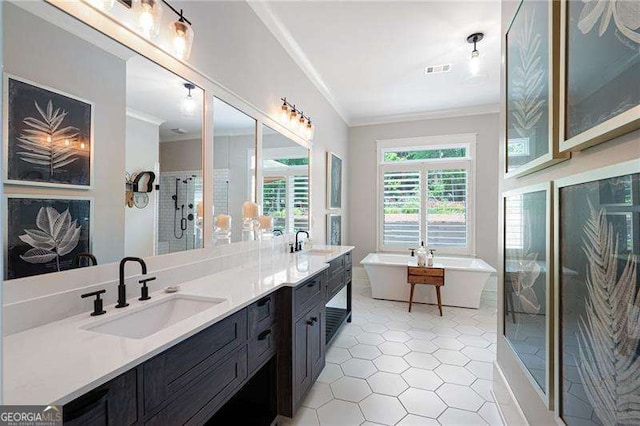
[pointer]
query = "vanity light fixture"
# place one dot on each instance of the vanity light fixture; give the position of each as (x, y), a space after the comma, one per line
(189, 107)
(182, 35)
(295, 120)
(474, 62)
(149, 17)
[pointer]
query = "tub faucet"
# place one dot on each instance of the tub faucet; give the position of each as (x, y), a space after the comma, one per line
(122, 288)
(298, 242)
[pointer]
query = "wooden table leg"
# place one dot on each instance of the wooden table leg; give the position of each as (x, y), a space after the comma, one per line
(411, 296)
(439, 299)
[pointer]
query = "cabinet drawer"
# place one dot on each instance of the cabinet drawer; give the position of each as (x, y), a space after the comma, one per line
(262, 346)
(425, 279)
(206, 393)
(262, 313)
(173, 371)
(307, 294)
(348, 259)
(336, 265)
(335, 284)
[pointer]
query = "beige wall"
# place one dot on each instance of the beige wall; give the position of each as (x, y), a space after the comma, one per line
(622, 149)
(41, 52)
(177, 156)
(363, 171)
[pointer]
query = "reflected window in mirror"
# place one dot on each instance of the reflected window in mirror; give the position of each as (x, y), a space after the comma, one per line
(285, 182)
(234, 156)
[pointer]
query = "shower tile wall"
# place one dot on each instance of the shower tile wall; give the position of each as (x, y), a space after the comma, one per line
(190, 193)
(221, 191)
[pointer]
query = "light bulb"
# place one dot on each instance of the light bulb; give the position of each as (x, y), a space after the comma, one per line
(149, 17)
(189, 106)
(284, 113)
(182, 38)
(48, 139)
(66, 142)
(474, 63)
(82, 145)
(293, 119)
(310, 130)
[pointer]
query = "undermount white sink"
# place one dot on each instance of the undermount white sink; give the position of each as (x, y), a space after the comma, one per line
(147, 320)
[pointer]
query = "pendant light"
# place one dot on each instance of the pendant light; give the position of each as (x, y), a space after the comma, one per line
(189, 106)
(149, 17)
(182, 37)
(474, 62)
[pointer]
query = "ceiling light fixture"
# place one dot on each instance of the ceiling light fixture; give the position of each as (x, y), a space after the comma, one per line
(295, 120)
(474, 62)
(189, 107)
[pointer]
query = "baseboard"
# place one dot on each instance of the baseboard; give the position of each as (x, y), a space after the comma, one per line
(510, 411)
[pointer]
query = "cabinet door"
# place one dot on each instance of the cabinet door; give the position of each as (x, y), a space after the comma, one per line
(317, 341)
(301, 365)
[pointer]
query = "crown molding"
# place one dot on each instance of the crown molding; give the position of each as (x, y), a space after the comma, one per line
(143, 116)
(431, 115)
(273, 23)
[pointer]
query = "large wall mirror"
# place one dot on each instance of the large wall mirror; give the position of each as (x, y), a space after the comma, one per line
(285, 182)
(103, 148)
(234, 158)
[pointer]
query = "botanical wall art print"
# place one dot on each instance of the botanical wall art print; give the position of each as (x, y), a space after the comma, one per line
(528, 92)
(602, 54)
(334, 229)
(526, 273)
(334, 181)
(45, 234)
(48, 136)
(599, 302)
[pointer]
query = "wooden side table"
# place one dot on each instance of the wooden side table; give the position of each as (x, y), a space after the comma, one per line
(425, 275)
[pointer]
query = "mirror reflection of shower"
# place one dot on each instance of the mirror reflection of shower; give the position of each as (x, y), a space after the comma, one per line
(180, 225)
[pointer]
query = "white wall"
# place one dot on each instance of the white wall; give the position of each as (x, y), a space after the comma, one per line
(142, 154)
(363, 171)
(41, 52)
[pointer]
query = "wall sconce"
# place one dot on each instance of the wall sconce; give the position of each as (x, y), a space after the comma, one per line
(295, 120)
(182, 36)
(189, 107)
(149, 16)
(474, 62)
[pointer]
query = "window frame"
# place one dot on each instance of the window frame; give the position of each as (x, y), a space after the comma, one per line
(468, 163)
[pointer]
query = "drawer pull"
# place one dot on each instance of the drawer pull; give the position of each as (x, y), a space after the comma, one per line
(312, 321)
(264, 334)
(311, 284)
(264, 301)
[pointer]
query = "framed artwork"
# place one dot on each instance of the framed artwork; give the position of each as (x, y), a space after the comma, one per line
(600, 64)
(334, 229)
(531, 83)
(48, 136)
(597, 297)
(44, 234)
(527, 272)
(334, 181)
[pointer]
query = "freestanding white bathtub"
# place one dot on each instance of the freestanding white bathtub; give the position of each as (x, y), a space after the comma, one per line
(465, 278)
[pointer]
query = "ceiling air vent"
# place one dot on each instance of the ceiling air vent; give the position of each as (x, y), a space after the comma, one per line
(179, 131)
(435, 69)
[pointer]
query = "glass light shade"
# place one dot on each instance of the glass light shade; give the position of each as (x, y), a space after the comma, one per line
(182, 39)
(293, 120)
(149, 16)
(474, 63)
(189, 106)
(311, 130)
(302, 125)
(284, 113)
(104, 5)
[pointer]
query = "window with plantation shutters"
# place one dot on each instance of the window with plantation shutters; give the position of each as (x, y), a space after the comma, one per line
(426, 193)
(286, 199)
(299, 187)
(274, 200)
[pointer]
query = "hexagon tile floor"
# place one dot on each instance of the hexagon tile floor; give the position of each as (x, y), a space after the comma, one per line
(392, 367)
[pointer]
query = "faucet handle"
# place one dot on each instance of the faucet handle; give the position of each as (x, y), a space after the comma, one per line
(144, 291)
(413, 252)
(97, 304)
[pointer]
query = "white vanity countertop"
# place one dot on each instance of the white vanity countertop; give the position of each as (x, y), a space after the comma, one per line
(57, 362)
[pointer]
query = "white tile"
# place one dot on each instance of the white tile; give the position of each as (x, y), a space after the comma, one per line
(344, 341)
(413, 420)
(458, 396)
(387, 383)
(446, 356)
(396, 336)
(337, 412)
(479, 354)
(364, 351)
(448, 343)
(399, 325)
(422, 379)
(422, 360)
(390, 364)
(454, 374)
(319, 395)
(422, 346)
(489, 412)
(304, 417)
(483, 388)
(382, 409)
(330, 373)
(445, 331)
(469, 329)
(374, 327)
(482, 370)
(337, 355)
(475, 341)
(350, 389)
(352, 330)
(370, 338)
(394, 348)
(421, 334)
(422, 402)
(361, 368)
(456, 417)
